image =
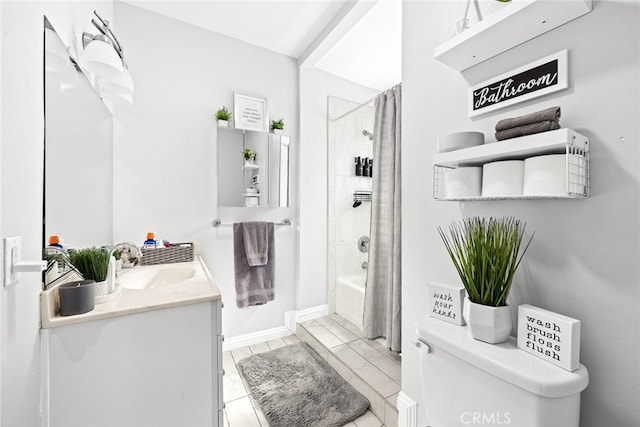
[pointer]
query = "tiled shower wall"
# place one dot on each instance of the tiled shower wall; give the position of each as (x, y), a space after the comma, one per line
(345, 223)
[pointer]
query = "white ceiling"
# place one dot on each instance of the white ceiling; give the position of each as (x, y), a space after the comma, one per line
(370, 53)
(367, 52)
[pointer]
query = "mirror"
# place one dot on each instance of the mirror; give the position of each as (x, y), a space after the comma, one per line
(78, 180)
(258, 179)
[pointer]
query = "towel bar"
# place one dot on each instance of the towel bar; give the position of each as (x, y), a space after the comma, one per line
(218, 223)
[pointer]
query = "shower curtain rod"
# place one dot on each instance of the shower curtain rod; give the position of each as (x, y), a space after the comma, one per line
(364, 104)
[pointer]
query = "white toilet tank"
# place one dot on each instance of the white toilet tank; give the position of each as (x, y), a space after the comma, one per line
(466, 382)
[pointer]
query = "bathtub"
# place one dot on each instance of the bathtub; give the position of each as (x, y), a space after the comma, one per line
(350, 298)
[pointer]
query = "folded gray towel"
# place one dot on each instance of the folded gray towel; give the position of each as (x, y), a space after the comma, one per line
(547, 115)
(254, 285)
(255, 242)
(529, 129)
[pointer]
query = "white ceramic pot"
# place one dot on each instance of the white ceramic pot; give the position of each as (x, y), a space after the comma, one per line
(102, 288)
(466, 306)
(278, 131)
(489, 324)
(223, 123)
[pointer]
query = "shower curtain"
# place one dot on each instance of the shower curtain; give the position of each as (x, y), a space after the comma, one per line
(382, 307)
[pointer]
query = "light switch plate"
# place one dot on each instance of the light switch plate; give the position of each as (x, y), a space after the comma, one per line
(11, 256)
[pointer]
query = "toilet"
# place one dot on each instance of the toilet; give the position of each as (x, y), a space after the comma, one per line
(465, 382)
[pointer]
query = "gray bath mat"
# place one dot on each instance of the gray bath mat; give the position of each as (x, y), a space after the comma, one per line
(295, 387)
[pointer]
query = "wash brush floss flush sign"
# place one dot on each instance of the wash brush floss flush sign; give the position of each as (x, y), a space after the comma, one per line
(550, 336)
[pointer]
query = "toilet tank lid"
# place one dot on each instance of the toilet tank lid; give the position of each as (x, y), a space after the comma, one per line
(505, 361)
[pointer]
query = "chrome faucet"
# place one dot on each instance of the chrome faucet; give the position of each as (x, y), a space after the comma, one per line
(124, 245)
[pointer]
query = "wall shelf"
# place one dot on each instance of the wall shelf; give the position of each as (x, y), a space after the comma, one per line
(485, 198)
(552, 142)
(514, 24)
(567, 141)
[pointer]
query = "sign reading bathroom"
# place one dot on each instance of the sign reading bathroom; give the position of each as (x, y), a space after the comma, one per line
(550, 336)
(544, 76)
(251, 113)
(445, 303)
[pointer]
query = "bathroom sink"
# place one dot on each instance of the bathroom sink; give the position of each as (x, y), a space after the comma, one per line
(155, 277)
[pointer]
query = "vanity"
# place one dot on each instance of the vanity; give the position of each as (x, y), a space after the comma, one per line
(151, 353)
(151, 356)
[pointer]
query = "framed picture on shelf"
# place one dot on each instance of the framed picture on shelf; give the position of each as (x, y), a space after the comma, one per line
(250, 112)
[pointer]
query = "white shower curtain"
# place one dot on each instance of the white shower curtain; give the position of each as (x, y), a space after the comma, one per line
(382, 308)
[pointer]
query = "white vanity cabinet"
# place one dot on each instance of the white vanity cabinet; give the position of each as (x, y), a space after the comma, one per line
(150, 357)
(161, 367)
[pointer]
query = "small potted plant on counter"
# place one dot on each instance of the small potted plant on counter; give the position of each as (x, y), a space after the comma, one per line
(93, 264)
(223, 115)
(277, 126)
(486, 254)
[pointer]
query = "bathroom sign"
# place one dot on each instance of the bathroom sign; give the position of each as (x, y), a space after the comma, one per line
(445, 303)
(550, 336)
(251, 113)
(541, 77)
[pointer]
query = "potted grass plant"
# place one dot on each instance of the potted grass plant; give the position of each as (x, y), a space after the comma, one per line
(223, 115)
(486, 254)
(93, 264)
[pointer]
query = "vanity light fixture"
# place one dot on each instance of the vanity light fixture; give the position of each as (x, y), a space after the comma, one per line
(56, 54)
(103, 57)
(123, 85)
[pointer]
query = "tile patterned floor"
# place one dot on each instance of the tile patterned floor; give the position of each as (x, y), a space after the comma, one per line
(367, 365)
(362, 362)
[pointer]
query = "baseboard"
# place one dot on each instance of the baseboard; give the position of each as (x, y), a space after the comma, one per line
(407, 411)
(312, 313)
(255, 338)
(290, 319)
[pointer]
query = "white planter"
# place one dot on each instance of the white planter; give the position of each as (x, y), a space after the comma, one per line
(489, 324)
(223, 123)
(466, 306)
(102, 288)
(278, 131)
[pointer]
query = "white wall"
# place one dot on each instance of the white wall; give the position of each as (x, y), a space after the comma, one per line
(583, 261)
(21, 135)
(347, 224)
(315, 86)
(165, 148)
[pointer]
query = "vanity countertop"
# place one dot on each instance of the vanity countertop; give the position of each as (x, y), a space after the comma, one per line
(199, 288)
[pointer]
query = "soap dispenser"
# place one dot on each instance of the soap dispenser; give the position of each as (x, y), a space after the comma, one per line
(150, 243)
(54, 241)
(366, 168)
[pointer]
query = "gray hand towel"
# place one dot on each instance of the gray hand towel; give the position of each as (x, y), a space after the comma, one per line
(548, 115)
(255, 242)
(254, 285)
(527, 130)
